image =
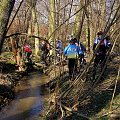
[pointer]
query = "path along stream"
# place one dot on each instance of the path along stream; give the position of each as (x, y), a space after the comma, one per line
(28, 102)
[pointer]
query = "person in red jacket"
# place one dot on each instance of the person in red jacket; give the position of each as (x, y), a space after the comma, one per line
(27, 51)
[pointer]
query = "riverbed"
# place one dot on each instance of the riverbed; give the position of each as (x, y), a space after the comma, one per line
(29, 99)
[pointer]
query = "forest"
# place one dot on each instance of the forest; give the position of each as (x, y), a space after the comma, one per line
(60, 60)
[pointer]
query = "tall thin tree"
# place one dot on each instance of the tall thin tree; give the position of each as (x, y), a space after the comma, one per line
(6, 7)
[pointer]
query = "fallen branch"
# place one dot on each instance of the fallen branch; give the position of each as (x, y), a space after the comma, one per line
(114, 89)
(74, 112)
(106, 114)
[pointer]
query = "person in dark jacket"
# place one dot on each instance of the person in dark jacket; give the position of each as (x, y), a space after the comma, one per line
(100, 54)
(82, 51)
(45, 50)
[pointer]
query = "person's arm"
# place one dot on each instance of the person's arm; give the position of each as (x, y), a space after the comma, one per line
(83, 47)
(65, 51)
(109, 45)
(95, 44)
(79, 51)
(42, 47)
(48, 46)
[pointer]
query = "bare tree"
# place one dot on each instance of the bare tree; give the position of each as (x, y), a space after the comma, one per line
(5, 12)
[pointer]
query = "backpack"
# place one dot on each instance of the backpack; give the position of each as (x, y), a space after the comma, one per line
(72, 52)
(82, 47)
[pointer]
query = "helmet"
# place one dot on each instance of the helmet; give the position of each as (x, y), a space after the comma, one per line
(100, 33)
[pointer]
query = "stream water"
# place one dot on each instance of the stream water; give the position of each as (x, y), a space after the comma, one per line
(28, 102)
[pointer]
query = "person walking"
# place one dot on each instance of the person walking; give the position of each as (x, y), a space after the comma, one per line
(82, 51)
(27, 51)
(59, 49)
(45, 50)
(100, 53)
(72, 53)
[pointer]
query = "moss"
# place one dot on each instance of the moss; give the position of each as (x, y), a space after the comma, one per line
(7, 55)
(11, 62)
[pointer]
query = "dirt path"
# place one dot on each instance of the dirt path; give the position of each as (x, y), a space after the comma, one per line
(28, 102)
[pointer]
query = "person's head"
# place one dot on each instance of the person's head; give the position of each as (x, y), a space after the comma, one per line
(75, 39)
(44, 41)
(99, 34)
(72, 41)
(59, 41)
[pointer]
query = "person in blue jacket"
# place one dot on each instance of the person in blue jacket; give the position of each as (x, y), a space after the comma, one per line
(72, 53)
(59, 49)
(82, 51)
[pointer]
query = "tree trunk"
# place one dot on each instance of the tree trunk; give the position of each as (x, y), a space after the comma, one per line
(13, 49)
(17, 53)
(79, 31)
(6, 7)
(80, 16)
(87, 28)
(51, 20)
(57, 18)
(35, 27)
(88, 34)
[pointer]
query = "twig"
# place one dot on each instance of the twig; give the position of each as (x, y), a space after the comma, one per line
(62, 112)
(14, 16)
(114, 89)
(109, 15)
(106, 114)
(68, 19)
(75, 112)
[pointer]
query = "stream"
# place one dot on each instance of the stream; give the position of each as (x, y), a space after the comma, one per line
(29, 98)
